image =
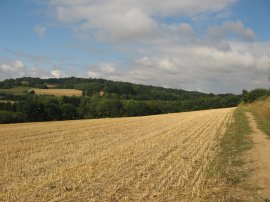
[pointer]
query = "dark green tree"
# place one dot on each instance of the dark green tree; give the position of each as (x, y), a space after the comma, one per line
(69, 112)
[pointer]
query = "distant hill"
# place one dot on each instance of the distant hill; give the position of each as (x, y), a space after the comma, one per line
(90, 87)
(28, 99)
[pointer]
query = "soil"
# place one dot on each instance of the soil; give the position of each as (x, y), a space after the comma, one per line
(260, 157)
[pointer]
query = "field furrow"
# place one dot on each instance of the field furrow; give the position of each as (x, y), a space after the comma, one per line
(162, 157)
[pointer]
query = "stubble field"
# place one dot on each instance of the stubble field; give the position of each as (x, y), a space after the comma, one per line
(153, 158)
(58, 92)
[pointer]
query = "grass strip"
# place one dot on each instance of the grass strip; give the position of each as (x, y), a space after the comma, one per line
(229, 171)
(261, 112)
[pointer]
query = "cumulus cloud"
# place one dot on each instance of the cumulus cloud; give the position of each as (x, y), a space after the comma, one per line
(128, 19)
(161, 63)
(107, 68)
(236, 28)
(103, 70)
(131, 24)
(93, 74)
(17, 68)
(148, 6)
(202, 67)
(205, 68)
(12, 69)
(56, 73)
(40, 31)
(157, 51)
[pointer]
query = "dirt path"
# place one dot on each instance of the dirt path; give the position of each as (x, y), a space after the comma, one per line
(260, 156)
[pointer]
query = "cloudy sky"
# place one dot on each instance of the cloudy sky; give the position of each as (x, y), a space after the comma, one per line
(214, 46)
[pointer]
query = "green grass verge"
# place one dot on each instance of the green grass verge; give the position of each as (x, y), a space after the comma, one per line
(229, 171)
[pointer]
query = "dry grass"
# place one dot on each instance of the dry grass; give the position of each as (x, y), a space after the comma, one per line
(261, 112)
(262, 108)
(160, 158)
(58, 92)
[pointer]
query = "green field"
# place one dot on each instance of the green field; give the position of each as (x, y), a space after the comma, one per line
(20, 90)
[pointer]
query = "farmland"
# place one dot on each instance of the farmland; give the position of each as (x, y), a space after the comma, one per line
(58, 92)
(154, 157)
(19, 90)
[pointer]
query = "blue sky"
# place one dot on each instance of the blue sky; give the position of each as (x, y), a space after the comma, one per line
(218, 46)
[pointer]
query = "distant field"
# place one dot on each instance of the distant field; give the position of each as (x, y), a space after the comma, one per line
(6, 101)
(58, 92)
(153, 158)
(16, 90)
(51, 85)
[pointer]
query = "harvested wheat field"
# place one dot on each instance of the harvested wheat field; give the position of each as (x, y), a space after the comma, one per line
(58, 92)
(160, 158)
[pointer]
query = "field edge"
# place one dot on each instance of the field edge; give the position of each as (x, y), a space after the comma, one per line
(260, 110)
(229, 171)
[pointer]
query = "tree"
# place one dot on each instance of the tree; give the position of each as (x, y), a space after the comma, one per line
(75, 101)
(32, 92)
(244, 92)
(69, 112)
(255, 94)
(108, 108)
(136, 108)
(83, 93)
(35, 111)
(53, 111)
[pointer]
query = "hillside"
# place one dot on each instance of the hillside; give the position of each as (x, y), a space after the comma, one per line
(123, 90)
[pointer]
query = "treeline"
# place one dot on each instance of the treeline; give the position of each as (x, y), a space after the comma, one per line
(103, 98)
(249, 97)
(31, 107)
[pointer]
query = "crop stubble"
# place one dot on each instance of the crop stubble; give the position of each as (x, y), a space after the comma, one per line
(58, 92)
(162, 157)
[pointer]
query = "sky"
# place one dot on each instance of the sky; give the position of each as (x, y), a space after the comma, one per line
(217, 46)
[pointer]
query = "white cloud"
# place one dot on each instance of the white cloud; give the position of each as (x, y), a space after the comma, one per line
(40, 31)
(16, 66)
(56, 73)
(150, 7)
(211, 66)
(103, 70)
(16, 69)
(12, 69)
(236, 28)
(204, 67)
(151, 50)
(131, 24)
(107, 68)
(128, 19)
(93, 74)
(164, 64)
